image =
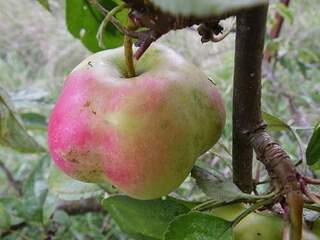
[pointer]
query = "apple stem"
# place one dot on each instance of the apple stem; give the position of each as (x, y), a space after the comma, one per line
(129, 57)
(128, 54)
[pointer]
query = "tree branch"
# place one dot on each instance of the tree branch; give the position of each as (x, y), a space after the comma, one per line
(277, 162)
(117, 24)
(247, 93)
(275, 31)
(15, 184)
(71, 207)
(249, 129)
(80, 206)
(13, 228)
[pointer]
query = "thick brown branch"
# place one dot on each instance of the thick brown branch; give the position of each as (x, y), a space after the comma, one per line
(247, 90)
(157, 23)
(282, 173)
(248, 128)
(276, 161)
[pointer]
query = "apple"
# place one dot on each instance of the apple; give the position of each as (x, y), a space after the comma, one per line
(257, 225)
(141, 134)
(316, 228)
(262, 225)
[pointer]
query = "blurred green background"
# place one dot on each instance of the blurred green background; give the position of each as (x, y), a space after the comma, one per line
(36, 54)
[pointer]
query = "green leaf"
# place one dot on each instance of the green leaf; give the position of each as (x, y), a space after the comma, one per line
(12, 132)
(34, 121)
(143, 218)
(273, 45)
(62, 218)
(45, 4)
(221, 191)
(5, 218)
(35, 191)
(197, 225)
(274, 123)
(49, 207)
(68, 188)
(83, 20)
(202, 8)
(13, 206)
(285, 12)
(313, 149)
(186, 203)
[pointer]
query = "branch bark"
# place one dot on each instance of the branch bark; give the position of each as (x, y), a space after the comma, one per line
(249, 130)
(275, 31)
(81, 206)
(251, 26)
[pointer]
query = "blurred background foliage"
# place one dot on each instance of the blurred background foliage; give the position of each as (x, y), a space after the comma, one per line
(36, 54)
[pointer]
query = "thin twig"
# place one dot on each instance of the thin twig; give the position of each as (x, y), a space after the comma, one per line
(307, 192)
(70, 207)
(262, 182)
(80, 206)
(212, 204)
(251, 209)
(311, 180)
(224, 147)
(286, 231)
(116, 23)
(317, 194)
(220, 37)
(275, 31)
(15, 184)
(105, 22)
(13, 228)
(313, 207)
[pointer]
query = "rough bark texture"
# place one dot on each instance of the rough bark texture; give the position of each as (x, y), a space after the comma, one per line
(247, 90)
(282, 173)
(249, 131)
(275, 159)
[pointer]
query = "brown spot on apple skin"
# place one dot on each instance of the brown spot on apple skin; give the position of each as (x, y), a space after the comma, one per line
(87, 164)
(87, 104)
(74, 160)
(70, 156)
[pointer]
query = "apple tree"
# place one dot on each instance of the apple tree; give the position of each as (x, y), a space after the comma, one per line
(156, 151)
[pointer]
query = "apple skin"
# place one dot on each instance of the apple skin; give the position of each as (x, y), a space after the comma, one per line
(142, 134)
(257, 226)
